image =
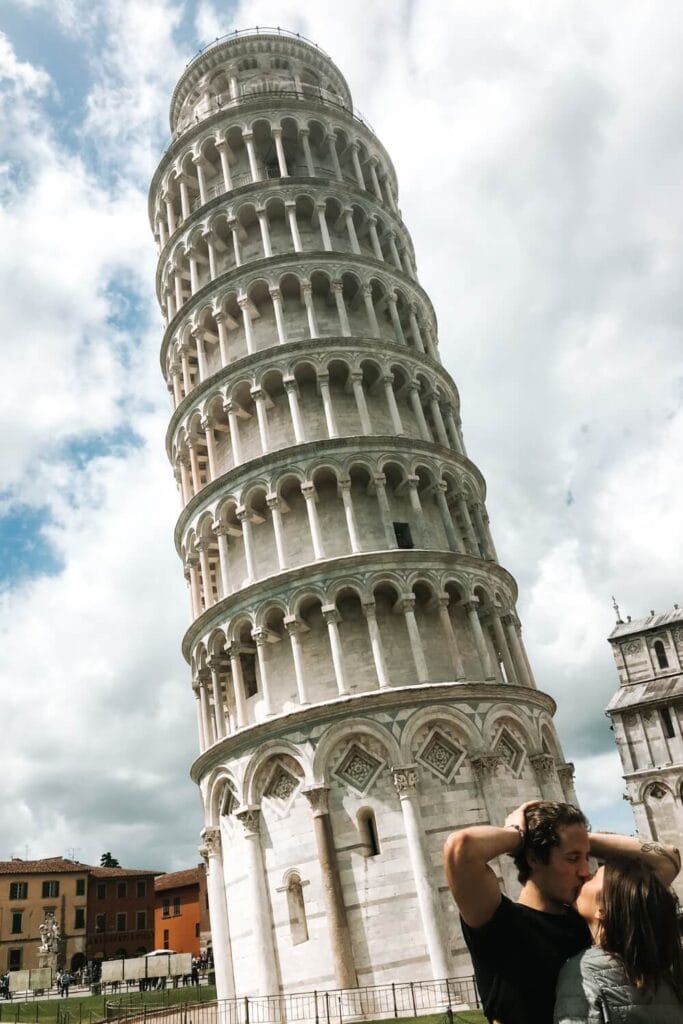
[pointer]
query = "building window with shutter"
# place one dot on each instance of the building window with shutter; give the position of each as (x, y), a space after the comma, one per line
(50, 890)
(18, 890)
(16, 922)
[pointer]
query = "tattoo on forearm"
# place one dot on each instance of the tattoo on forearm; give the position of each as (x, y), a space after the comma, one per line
(672, 855)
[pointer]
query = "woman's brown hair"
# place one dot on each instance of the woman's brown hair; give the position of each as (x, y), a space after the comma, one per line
(640, 926)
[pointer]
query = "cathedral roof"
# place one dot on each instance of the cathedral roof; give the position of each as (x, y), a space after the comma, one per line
(651, 621)
(662, 689)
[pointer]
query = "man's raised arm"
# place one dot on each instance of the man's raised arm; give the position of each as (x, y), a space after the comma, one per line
(664, 860)
(473, 884)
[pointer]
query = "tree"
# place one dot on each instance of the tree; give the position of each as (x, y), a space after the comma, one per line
(107, 861)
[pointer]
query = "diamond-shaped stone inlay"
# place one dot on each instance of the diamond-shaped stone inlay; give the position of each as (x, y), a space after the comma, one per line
(440, 755)
(282, 785)
(509, 751)
(358, 768)
(657, 791)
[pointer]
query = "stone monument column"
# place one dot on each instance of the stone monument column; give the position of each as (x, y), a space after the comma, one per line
(211, 852)
(405, 781)
(337, 923)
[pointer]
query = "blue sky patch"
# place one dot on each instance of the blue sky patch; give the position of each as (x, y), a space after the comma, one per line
(24, 550)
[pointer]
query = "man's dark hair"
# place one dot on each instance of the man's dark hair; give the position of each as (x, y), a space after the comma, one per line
(543, 823)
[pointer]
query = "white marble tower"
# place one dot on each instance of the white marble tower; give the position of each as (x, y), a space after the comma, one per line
(647, 719)
(361, 682)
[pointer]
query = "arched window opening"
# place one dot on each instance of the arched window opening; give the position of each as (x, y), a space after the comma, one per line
(660, 653)
(249, 673)
(367, 829)
(296, 909)
(667, 723)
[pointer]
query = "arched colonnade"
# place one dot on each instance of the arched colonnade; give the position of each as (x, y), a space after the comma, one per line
(287, 221)
(386, 631)
(243, 152)
(333, 507)
(304, 400)
(310, 301)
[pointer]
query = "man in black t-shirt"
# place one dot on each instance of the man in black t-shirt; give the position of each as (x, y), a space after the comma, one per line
(518, 948)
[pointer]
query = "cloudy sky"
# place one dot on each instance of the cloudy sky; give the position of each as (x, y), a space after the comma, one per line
(539, 150)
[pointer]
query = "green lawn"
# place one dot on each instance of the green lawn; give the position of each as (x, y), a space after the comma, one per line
(91, 1009)
(77, 1009)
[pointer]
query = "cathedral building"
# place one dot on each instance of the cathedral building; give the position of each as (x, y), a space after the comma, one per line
(360, 679)
(647, 719)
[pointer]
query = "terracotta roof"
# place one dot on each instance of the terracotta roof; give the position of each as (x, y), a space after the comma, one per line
(121, 872)
(48, 866)
(177, 879)
(60, 865)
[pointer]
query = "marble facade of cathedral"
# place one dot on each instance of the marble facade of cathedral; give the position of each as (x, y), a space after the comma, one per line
(361, 683)
(647, 719)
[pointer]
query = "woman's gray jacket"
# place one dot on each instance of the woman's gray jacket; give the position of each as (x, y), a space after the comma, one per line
(593, 989)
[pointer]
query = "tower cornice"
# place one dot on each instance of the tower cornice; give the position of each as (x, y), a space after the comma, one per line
(350, 705)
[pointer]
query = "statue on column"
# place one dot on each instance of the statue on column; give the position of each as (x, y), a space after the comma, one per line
(50, 941)
(49, 934)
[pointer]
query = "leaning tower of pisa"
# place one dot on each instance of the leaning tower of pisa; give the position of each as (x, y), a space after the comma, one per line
(361, 683)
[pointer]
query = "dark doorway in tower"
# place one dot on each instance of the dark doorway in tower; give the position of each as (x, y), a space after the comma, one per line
(404, 538)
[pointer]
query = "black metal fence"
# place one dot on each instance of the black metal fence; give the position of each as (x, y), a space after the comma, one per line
(374, 1002)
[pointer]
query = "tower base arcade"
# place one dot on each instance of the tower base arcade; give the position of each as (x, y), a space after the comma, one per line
(325, 828)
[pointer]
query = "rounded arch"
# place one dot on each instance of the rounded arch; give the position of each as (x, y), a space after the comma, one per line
(458, 720)
(269, 751)
(221, 785)
(351, 728)
(500, 715)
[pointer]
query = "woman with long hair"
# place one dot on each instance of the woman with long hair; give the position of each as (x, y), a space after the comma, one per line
(634, 972)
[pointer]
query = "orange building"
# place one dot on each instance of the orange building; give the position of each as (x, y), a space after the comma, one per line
(181, 916)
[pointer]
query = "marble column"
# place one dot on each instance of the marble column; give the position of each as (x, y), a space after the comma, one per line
(310, 496)
(290, 208)
(406, 604)
(212, 854)
(449, 633)
(238, 684)
(379, 483)
(405, 781)
(479, 640)
(292, 390)
(361, 404)
(395, 415)
(221, 532)
(502, 645)
(418, 411)
(274, 504)
(332, 619)
(370, 310)
(335, 916)
(243, 515)
(521, 667)
(276, 296)
(328, 408)
(264, 958)
(260, 636)
(219, 714)
(370, 613)
(344, 489)
(546, 775)
(295, 627)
